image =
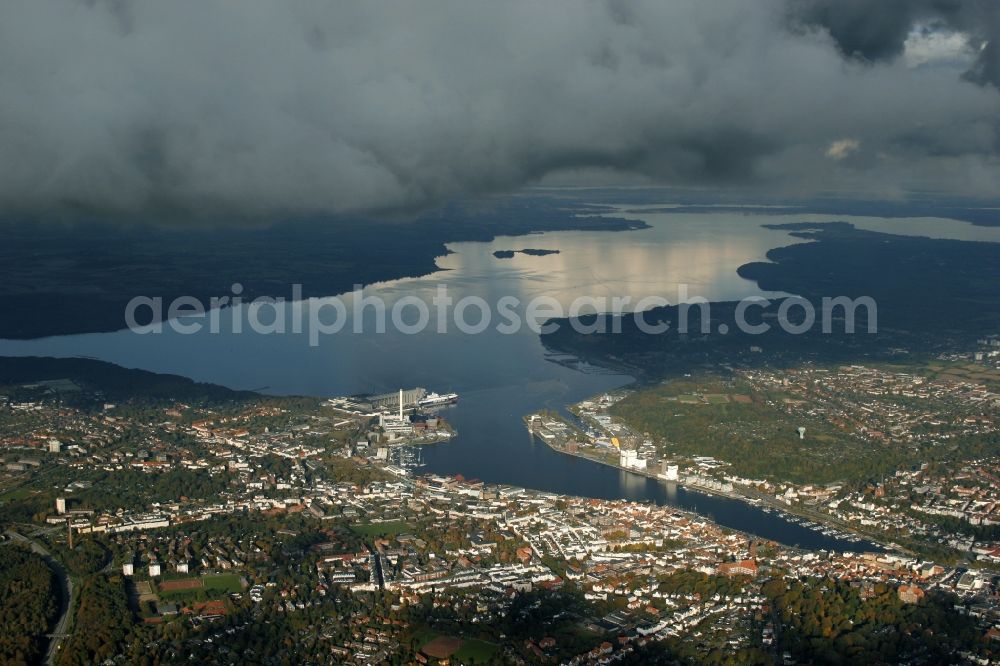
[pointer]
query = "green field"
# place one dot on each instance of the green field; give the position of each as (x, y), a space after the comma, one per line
(18, 494)
(753, 427)
(391, 528)
(475, 651)
(224, 582)
(472, 651)
(212, 586)
(966, 372)
(696, 417)
(423, 635)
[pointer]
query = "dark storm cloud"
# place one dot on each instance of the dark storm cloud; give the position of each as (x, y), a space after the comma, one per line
(209, 107)
(878, 30)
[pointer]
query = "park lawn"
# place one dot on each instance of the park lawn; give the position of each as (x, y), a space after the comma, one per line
(959, 371)
(225, 582)
(475, 651)
(207, 587)
(19, 494)
(756, 436)
(424, 635)
(391, 528)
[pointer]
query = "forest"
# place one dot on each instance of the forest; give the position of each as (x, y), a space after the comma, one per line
(102, 624)
(830, 622)
(29, 603)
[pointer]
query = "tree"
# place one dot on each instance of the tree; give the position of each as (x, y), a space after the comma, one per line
(28, 604)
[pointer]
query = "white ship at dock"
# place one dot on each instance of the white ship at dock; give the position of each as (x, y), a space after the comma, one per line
(438, 400)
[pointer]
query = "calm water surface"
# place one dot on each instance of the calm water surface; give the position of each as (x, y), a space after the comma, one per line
(501, 377)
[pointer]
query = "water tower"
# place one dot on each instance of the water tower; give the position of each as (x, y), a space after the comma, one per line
(802, 432)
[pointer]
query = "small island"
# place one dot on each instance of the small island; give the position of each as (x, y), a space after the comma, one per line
(509, 254)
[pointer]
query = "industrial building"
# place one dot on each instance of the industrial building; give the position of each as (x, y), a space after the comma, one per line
(410, 398)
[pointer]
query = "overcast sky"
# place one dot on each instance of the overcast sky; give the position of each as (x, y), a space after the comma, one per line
(250, 108)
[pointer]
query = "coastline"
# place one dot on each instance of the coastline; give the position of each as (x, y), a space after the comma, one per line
(687, 485)
(695, 515)
(326, 260)
(764, 503)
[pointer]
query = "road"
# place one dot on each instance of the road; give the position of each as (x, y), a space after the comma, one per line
(59, 631)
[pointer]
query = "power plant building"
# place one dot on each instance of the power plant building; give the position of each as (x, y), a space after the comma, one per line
(410, 397)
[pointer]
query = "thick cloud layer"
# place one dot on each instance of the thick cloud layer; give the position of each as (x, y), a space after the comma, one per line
(249, 108)
(880, 30)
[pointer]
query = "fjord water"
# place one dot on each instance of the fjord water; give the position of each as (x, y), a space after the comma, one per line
(500, 376)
